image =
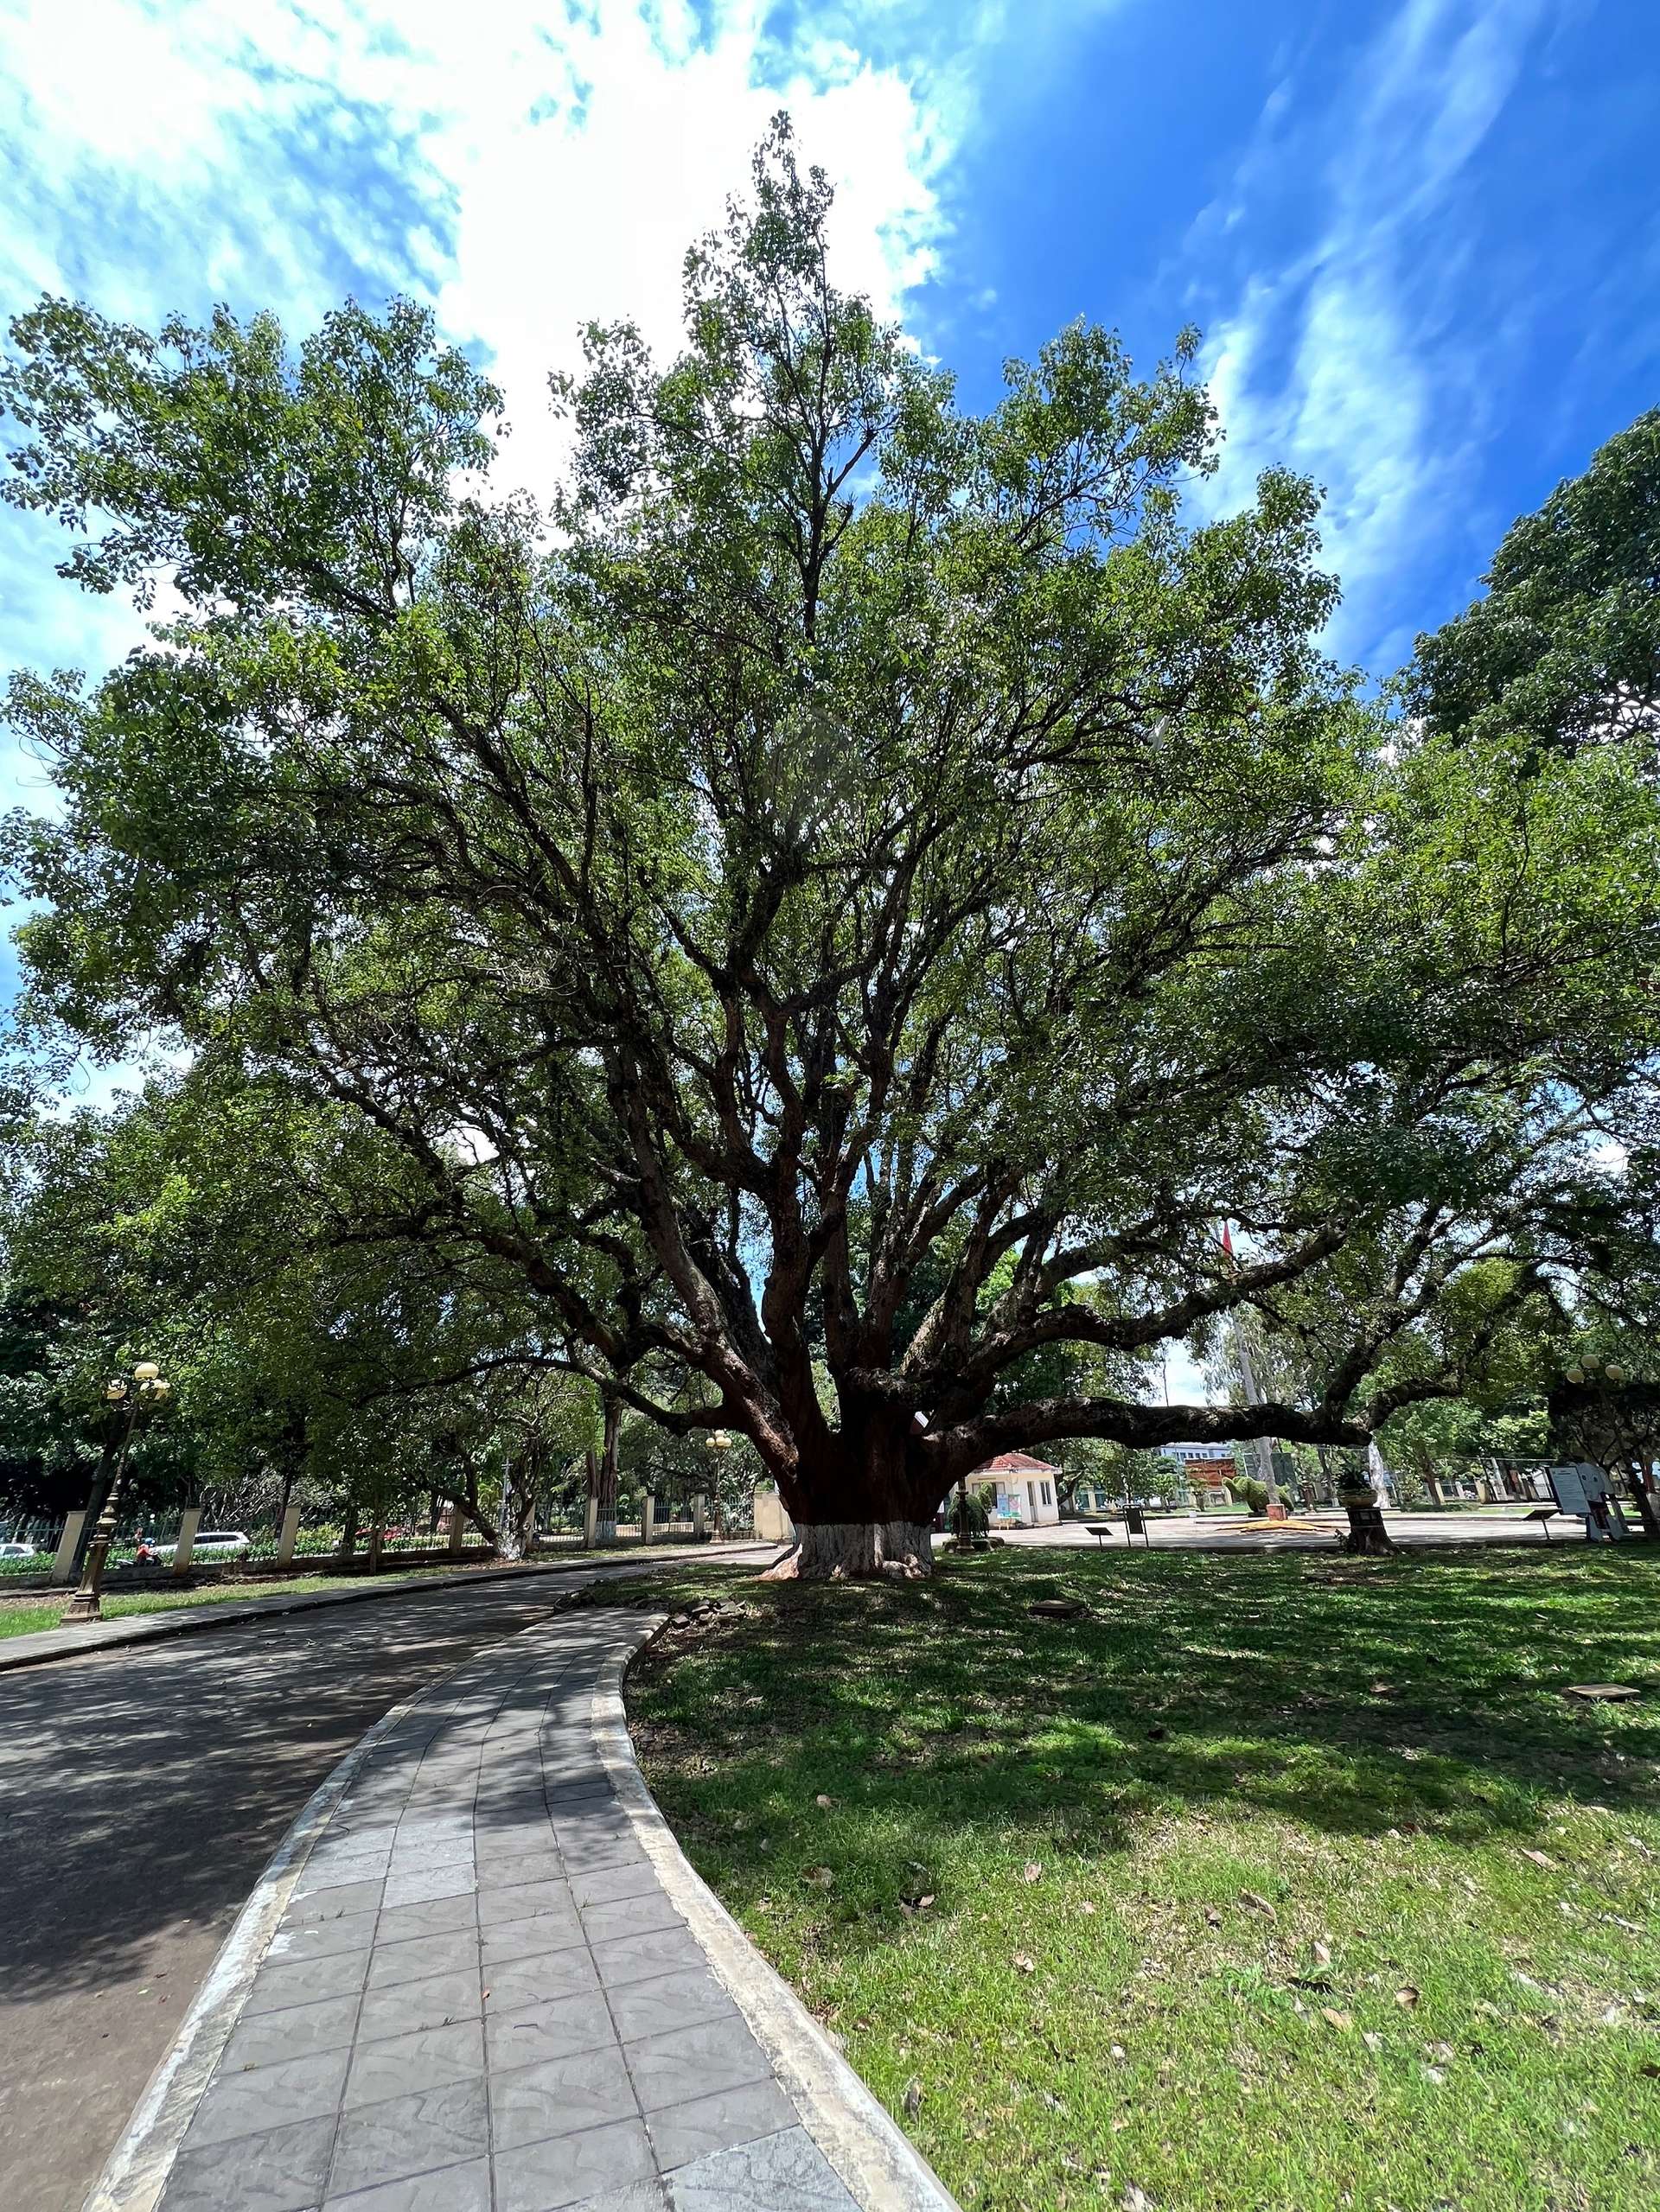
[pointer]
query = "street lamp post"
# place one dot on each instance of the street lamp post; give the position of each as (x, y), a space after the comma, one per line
(149, 1388)
(720, 1444)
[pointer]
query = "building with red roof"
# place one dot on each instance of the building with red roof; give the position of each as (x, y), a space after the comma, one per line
(1020, 1488)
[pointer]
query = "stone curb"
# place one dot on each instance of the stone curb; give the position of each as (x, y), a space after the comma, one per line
(140, 1627)
(875, 2159)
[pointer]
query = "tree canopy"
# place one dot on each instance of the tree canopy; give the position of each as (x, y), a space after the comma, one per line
(838, 903)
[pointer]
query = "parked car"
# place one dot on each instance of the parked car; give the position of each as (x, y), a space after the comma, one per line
(16, 1551)
(210, 1539)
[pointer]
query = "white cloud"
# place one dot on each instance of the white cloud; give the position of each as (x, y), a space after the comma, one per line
(1331, 361)
(527, 168)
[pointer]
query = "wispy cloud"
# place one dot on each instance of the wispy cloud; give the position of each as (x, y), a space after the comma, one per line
(525, 174)
(1335, 352)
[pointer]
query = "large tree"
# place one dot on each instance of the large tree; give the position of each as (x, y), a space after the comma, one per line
(841, 903)
(1564, 645)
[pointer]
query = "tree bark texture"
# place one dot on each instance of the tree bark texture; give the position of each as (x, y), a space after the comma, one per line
(606, 1487)
(1367, 1537)
(1643, 1499)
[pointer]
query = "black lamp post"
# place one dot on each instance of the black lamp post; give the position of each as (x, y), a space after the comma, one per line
(148, 1389)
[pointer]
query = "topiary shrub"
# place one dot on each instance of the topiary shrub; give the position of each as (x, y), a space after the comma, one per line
(968, 1517)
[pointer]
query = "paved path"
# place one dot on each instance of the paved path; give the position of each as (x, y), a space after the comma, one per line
(142, 1792)
(1319, 1531)
(480, 1995)
(50, 1645)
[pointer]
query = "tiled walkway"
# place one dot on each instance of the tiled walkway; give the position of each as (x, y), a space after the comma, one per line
(481, 1998)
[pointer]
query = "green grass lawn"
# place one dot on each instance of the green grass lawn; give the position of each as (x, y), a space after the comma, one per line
(23, 1616)
(1278, 1882)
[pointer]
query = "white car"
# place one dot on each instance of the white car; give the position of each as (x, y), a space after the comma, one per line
(17, 1552)
(210, 1539)
(223, 1539)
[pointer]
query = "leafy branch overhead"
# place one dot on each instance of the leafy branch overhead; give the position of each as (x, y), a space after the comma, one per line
(839, 903)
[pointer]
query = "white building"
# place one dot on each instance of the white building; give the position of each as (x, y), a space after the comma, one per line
(1018, 1490)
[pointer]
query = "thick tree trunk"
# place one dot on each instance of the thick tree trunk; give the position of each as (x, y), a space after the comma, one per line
(1367, 1537)
(862, 1508)
(833, 1551)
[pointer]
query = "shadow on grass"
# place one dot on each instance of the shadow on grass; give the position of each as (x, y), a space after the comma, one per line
(1420, 1695)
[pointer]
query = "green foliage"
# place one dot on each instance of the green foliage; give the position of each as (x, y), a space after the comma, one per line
(969, 1516)
(815, 926)
(1564, 649)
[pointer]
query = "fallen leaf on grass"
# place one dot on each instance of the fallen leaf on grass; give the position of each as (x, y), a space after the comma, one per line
(1334, 2018)
(1024, 1963)
(823, 1802)
(913, 2097)
(821, 1876)
(1031, 1871)
(916, 1904)
(1322, 1953)
(1406, 1999)
(1212, 1917)
(1258, 1904)
(1086, 1906)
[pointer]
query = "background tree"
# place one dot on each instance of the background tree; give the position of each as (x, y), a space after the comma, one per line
(1564, 647)
(859, 846)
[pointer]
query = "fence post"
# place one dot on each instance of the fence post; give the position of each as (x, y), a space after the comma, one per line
(189, 1521)
(377, 1536)
(589, 1521)
(458, 1529)
(700, 1517)
(286, 1541)
(63, 1560)
(647, 1517)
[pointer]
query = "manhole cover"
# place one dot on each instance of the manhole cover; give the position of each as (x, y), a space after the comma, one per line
(1603, 1693)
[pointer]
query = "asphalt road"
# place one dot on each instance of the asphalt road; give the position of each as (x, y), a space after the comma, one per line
(142, 1791)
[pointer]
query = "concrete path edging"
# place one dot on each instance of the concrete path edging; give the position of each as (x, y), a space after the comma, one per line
(881, 2167)
(43, 1646)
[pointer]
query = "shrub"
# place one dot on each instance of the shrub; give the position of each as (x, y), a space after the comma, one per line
(969, 1516)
